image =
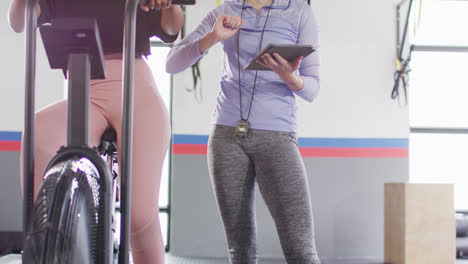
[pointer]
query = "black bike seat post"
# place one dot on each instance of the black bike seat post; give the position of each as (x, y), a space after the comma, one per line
(79, 74)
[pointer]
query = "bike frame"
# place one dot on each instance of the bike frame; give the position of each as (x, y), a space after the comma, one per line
(127, 126)
(79, 137)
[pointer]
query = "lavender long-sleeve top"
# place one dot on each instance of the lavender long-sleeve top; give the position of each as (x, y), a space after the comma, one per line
(274, 106)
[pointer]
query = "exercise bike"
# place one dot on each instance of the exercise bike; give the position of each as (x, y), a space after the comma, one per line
(71, 220)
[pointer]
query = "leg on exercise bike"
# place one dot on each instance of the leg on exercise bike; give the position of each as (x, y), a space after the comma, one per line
(51, 134)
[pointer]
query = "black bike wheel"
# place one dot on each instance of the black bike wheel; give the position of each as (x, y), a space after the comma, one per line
(65, 224)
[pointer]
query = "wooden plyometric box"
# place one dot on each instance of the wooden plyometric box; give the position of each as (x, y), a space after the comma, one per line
(419, 224)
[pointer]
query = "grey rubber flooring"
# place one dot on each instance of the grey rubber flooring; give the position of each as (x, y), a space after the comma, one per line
(16, 259)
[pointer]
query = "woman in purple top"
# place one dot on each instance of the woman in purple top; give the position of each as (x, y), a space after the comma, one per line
(254, 134)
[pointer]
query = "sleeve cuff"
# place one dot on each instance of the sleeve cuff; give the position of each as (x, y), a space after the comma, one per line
(166, 38)
(309, 91)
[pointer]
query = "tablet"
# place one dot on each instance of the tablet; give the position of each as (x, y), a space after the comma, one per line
(288, 51)
(183, 2)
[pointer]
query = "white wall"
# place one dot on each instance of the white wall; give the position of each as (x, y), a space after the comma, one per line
(189, 115)
(12, 64)
(358, 60)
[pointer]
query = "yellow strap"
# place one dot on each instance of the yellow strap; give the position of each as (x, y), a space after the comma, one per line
(218, 2)
(417, 20)
(420, 12)
(399, 68)
(398, 64)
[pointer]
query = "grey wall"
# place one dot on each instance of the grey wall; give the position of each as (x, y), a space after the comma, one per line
(347, 199)
(10, 193)
(347, 196)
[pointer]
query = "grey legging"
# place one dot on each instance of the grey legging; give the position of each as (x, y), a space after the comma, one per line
(272, 159)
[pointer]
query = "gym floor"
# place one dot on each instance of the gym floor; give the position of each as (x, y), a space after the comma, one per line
(16, 259)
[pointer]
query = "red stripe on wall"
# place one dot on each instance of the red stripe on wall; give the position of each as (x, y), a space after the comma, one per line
(200, 149)
(190, 149)
(10, 145)
(355, 152)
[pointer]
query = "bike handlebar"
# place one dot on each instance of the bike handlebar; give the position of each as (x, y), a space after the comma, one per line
(127, 126)
(28, 135)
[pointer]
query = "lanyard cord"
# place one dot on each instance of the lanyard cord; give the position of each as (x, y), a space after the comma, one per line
(238, 61)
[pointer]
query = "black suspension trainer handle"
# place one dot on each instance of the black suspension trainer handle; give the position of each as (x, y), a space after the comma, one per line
(28, 132)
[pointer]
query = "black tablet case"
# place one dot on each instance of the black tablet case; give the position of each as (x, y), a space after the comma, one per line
(288, 51)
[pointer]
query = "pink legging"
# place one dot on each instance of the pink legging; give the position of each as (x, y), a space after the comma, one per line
(150, 142)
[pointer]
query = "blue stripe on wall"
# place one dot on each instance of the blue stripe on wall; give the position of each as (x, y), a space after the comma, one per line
(190, 139)
(303, 142)
(354, 142)
(10, 136)
(317, 142)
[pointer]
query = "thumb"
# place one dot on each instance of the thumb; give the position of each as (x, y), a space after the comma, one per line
(297, 62)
